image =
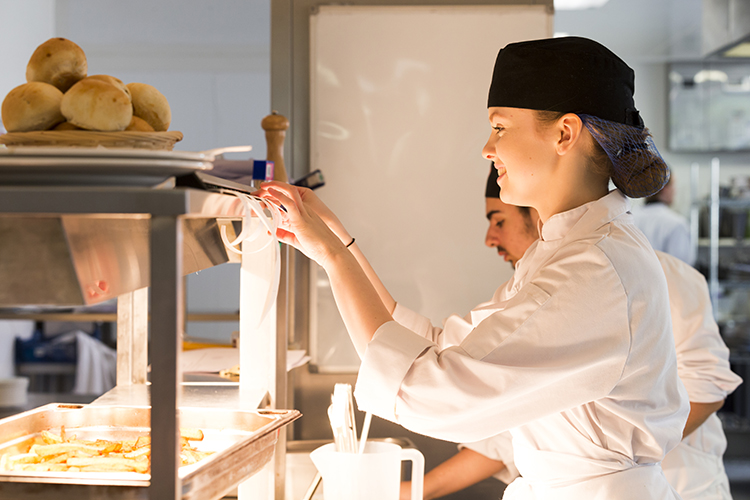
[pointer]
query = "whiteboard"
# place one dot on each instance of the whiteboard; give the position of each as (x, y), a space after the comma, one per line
(398, 120)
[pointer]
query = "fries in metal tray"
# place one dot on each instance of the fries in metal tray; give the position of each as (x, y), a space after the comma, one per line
(50, 452)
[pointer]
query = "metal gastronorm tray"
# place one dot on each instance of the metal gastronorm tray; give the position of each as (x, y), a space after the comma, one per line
(243, 442)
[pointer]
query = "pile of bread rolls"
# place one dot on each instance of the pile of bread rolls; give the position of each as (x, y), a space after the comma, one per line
(59, 95)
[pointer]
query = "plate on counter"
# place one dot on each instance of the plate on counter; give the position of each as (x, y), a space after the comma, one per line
(102, 152)
(39, 166)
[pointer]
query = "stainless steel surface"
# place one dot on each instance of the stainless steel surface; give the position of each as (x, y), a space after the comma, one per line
(713, 275)
(30, 253)
(113, 200)
(80, 260)
(167, 325)
(192, 394)
(726, 23)
(694, 207)
(54, 166)
(284, 325)
(243, 441)
(166, 208)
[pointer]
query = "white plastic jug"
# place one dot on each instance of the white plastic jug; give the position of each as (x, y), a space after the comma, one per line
(372, 475)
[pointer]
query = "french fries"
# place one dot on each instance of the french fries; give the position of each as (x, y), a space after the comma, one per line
(50, 452)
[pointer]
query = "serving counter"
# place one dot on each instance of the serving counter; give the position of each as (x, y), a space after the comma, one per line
(149, 262)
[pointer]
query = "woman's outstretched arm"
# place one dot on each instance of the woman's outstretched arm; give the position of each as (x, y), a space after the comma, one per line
(362, 300)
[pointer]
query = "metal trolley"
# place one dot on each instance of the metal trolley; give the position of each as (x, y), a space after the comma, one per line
(84, 244)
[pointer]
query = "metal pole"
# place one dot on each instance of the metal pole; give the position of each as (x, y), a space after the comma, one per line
(695, 208)
(167, 323)
(714, 236)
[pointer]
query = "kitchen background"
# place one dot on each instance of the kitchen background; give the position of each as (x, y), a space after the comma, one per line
(213, 61)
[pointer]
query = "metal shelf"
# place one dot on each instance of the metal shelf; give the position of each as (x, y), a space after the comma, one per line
(736, 419)
(110, 317)
(726, 203)
(165, 210)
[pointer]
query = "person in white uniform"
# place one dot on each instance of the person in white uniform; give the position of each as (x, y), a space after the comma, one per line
(575, 354)
(665, 229)
(694, 468)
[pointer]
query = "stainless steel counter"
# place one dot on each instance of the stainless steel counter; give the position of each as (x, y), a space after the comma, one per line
(241, 442)
(167, 211)
(191, 394)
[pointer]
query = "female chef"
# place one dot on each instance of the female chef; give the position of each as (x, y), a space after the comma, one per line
(574, 355)
(695, 467)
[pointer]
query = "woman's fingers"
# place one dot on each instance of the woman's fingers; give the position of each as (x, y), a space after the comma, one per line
(291, 212)
(294, 193)
(289, 190)
(287, 237)
(300, 225)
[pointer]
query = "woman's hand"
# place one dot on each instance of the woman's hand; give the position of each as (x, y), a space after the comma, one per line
(302, 224)
(305, 225)
(312, 202)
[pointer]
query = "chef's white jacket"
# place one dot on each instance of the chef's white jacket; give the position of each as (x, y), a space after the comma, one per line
(574, 355)
(666, 230)
(695, 467)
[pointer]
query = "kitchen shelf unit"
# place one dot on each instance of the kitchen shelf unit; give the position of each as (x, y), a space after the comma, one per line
(107, 317)
(166, 211)
(734, 325)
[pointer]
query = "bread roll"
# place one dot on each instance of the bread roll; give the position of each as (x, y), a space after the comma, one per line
(139, 125)
(59, 62)
(67, 126)
(151, 105)
(32, 106)
(114, 81)
(95, 105)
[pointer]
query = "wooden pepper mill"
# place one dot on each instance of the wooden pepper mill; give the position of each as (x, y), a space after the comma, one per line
(275, 126)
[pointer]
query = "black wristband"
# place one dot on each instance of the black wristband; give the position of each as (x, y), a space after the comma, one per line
(350, 243)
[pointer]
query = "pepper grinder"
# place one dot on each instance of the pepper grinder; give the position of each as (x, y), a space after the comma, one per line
(275, 126)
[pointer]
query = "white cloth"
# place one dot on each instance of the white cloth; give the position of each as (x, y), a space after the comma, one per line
(574, 355)
(666, 230)
(96, 363)
(695, 467)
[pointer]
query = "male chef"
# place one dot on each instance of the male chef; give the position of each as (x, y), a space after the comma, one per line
(695, 467)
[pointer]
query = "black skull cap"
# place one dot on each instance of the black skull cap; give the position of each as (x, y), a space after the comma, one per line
(568, 75)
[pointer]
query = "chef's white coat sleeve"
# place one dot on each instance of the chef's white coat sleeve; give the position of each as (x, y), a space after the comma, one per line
(500, 448)
(702, 356)
(416, 323)
(555, 344)
(454, 331)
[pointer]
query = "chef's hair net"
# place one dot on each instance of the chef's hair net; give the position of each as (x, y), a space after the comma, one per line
(639, 170)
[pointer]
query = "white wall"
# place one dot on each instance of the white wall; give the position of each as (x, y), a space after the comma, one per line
(398, 123)
(648, 35)
(211, 59)
(23, 26)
